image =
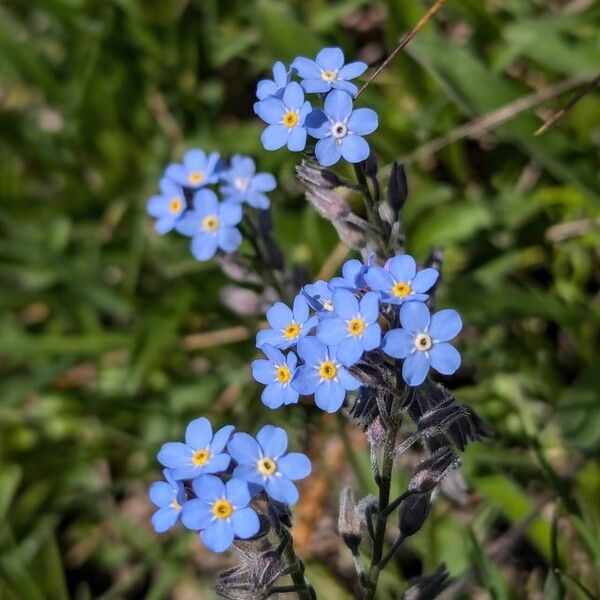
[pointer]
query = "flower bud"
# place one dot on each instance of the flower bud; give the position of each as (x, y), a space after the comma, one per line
(349, 520)
(431, 471)
(397, 190)
(413, 513)
(428, 587)
(329, 205)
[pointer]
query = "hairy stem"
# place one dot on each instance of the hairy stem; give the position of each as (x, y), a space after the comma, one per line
(303, 588)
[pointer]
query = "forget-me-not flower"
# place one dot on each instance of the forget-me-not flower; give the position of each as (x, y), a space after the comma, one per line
(354, 327)
(339, 129)
(169, 496)
(276, 373)
(275, 86)
(287, 326)
(263, 461)
(322, 374)
(243, 184)
(328, 71)
(201, 453)
(423, 341)
(211, 225)
(319, 296)
(285, 117)
(399, 281)
(168, 206)
(220, 512)
(196, 171)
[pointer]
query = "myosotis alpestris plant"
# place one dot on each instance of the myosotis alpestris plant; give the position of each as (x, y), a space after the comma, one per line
(366, 343)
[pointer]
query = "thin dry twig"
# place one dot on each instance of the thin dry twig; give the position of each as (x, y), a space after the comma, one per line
(229, 335)
(333, 261)
(403, 43)
(559, 114)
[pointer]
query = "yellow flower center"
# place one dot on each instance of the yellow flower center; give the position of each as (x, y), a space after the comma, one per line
(423, 342)
(327, 370)
(210, 223)
(222, 509)
(175, 505)
(290, 119)
(328, 305)
(356, 326)
(401, 289)
(291, 331)
(195, 178)
(328, 75)
(200, 457)
(283, 373)
(174, 205)
(267, 466)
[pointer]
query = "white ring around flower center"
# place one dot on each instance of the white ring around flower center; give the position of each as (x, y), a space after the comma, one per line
(423, 342)
(328, 75)
(339, 130)
(241, 183)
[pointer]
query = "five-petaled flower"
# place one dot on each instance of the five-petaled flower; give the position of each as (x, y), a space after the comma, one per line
(354, 327)
(399, 281)
(287, 326)
(319, 296)
(339, 129)
(285, 118)
(322, 374)
(169, 496)
(220, 512)
(211, 225)
(276, 373)
(263, 461)
(168, 206)
(243, 184)
(328, 71)
(275, 86)
(201, 453)
(196, 171)
(423, 341)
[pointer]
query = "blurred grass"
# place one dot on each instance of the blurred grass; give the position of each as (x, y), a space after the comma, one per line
(96, 97)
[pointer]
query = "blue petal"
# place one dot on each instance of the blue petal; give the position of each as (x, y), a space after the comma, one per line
(177, 173)
(280, 74)
(414, 316)
(204, 246)
(371, 338)
(258, 200)
(379, 279)
(199, 433)
(206, 202)
(208, 487)
(279, 315)
(218, 536)
(349, 351)
(424, 280)
(332, 331)
(294, 465)
(347, 381)
(445, 359)
(305, 380)
(273, 440)
(245, 523)
(352, 70)
(402, 267)
(236, 491)
(217, 464)
(269, 336)
(293, 96)
(363, 121)
(330, 59)
(315, 85)
(272, 396)
(157, 206)
(369, 307)
(415, 367)
(327, 151)
(311, 350)
(174, 454)
(329, 397)
(344, 86)
(230, 213)
(249, 472)
(263, 371)
(189, 224)
(274, 137)
(296, 140)
(244, 449)
(264, 182)
(282, 489)
(306, 68)
(195, 160)
(398, 343)
(197, 514)
(338, 105)
(445, 324)
(161, 493)
(164, 225)
(229, 239)
(163, 519)
(273, 354)
(266, 88)
(346, 304)
(271, 110)
(354, 148)
(318, 124)
(300, 309)
(290, 395)
(221, 438)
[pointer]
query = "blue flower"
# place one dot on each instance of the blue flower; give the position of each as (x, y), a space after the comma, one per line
(275, 86)
(220, 512)
(319, 295)
(243, 184)
(399, 281)
(201, 453)
(287, 326)
(423, 341)
(263, 461)
(322, 375)
(168, 206)
(211, 225)
(339, 129)
(197, 169)
(276, 373)
(169, 496)
(353, 328)
(352, 279)
(328, 71)
(285, 118)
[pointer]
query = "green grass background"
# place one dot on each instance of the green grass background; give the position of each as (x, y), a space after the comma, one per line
(97, 96)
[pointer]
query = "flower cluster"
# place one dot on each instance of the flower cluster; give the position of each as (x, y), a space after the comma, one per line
(187, 204)
(211, 478)
(346, 327)
(338, 128)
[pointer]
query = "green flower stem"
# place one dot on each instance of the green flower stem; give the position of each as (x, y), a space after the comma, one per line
(302, 587)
